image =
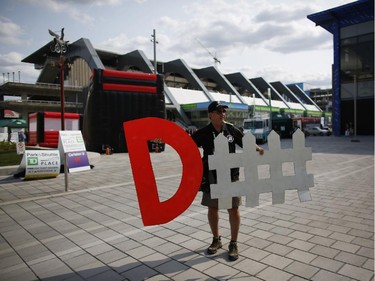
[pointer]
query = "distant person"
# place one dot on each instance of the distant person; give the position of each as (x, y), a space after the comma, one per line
(204, 138)
(21, 136)
(9, 134)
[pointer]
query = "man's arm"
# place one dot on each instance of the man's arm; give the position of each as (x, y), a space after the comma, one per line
(259, 149)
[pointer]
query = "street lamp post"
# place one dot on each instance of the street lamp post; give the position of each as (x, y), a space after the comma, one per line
(60, 46)
(269, 98)
(62, 96)
(355, 108)
(254, 113)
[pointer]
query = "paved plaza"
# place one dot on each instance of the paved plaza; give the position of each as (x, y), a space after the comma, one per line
(95, 232)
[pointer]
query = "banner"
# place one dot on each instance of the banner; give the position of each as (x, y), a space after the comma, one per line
(77, 161)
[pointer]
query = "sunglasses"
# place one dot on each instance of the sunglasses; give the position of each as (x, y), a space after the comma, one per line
(220, 111)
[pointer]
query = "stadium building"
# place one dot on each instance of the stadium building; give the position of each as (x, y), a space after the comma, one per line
(188, 91)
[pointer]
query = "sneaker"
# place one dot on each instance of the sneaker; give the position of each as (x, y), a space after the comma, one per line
(233, 251)
(216, 244)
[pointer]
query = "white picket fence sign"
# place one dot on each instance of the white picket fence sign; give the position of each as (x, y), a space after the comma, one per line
(253, 185)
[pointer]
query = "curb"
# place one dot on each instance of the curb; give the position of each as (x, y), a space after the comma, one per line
(8, 170)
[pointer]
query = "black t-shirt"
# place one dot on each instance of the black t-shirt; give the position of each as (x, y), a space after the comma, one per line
(204, 138)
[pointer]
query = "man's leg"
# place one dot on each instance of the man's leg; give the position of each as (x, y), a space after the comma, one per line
(213, 220)
(234, 220)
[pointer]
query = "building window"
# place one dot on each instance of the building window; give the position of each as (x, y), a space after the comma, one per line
(357, 61)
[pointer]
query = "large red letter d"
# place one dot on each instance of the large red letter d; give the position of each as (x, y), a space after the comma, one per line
(137, 133)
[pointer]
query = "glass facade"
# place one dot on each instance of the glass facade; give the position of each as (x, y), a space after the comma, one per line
(357, 78)
(357, 61)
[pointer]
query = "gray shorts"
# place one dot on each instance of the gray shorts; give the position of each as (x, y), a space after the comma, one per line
(209, 202)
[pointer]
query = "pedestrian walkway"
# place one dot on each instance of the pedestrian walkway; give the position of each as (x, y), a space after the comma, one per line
(95, 232)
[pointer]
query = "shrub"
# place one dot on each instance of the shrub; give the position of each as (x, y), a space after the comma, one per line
(7, 146)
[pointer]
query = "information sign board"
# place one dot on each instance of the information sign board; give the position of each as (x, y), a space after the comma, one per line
(72, 146)
(41, 164)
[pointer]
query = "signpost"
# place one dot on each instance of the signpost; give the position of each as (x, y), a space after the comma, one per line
(73, 152)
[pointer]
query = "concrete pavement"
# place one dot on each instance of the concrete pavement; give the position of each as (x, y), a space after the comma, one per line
(94, 231)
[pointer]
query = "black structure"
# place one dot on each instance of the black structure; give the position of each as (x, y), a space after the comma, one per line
(115, 97)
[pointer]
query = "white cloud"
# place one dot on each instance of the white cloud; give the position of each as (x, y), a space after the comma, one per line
(286, 76)
(48, 4)
(238, 31)
(259, 37)
(11, 65)
(228, 27)
(169, 23)
(11, 58)
(57, 5)
(10, 32)
(123, 44)
(284, 13)
(70, 8)
(94, 2)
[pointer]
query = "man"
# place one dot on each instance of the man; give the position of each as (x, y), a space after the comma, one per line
(205, 138)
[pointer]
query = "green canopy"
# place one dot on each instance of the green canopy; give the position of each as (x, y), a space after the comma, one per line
(13, 123)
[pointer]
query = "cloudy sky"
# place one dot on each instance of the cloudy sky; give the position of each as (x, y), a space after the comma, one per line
(268, 38)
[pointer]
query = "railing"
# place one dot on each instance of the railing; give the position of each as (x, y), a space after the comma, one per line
(46, 85)
(44, 102)
(57, 86)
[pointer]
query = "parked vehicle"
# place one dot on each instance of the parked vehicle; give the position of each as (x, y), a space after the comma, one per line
(304, 122)
(326, 128)
(259, 127)
(317, 131)
(283, 125)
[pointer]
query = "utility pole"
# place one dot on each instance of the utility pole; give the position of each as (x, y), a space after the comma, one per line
(153, 35)
(270, 97)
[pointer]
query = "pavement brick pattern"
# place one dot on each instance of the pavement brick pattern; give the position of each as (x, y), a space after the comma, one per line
(94, 231)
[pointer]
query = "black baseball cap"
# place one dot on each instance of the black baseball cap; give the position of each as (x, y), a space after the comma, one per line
(216, 105)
